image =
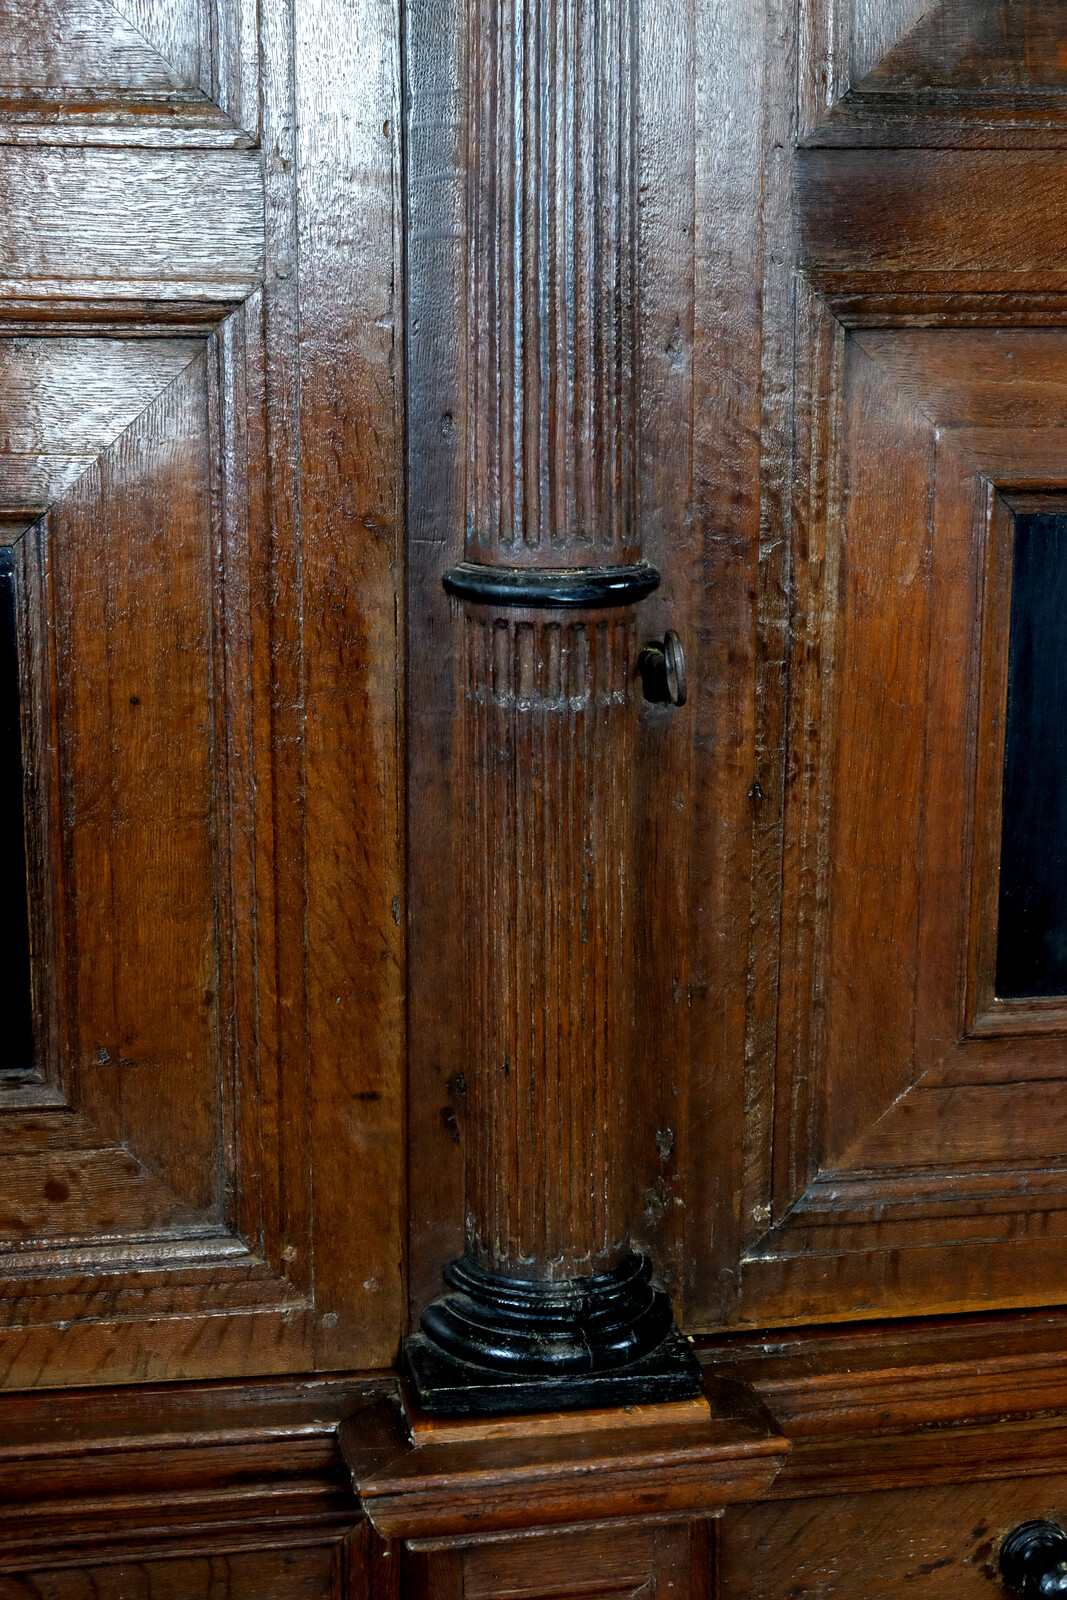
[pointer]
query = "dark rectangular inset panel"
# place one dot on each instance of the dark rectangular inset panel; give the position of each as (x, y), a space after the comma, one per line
(16, 1004)
(1032, 917)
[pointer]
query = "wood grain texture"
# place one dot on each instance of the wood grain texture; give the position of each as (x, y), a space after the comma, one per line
(545, 356)
(655, 1560)
(957, 45)
(65, 401)
(663, 742)
(943, 214)
(467, 1492)
(78, 395)
(437, 423)
(129, 843)
(875, 27)
(550, 717)
(730, 563)
(892, 72)
(858, 1380)
(935, 1541)
(149, 73)
(890, 239)
(102, 1479)
(289, 1575)
(131, 550)
(442, 423)
(936, 1435)
(614, 343)
(91, 44)
(550, 329)
(350, 492)
(844, 1146)
(619, 1562)
(176, 31)
(167, 1228)
(110, 219)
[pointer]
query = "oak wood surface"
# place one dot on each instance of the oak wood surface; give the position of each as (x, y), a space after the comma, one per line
(957, 72)
(929, 1542)
(463, 1492)
(604, 1561)
(98, 1479)
(211, 699)
(801, 342)
(290, 1575)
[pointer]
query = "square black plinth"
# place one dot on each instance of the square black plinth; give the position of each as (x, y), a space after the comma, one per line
(445, 1387)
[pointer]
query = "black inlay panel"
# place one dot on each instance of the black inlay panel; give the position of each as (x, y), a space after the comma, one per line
(1032, 920)
(16, 1000)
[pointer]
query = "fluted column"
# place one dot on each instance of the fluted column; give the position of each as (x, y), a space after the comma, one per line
(549, 851)
(552, 280)
(550, 1307)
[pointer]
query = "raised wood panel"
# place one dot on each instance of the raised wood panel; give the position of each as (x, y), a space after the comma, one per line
(617, 1563)
(150, 72)
(606, 1563)
(78, 395)
(139, 810)
(898, 1186)
(890, 72)
(205, 540)
(87, 44)
(130, 551)
(1008, 48)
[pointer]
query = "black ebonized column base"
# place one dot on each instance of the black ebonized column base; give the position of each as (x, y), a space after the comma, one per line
(499, 1345)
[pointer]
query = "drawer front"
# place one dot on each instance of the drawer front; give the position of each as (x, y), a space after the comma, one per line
(939, 1543)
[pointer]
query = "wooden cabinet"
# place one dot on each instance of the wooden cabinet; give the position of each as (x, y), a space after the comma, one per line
(378, 385)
